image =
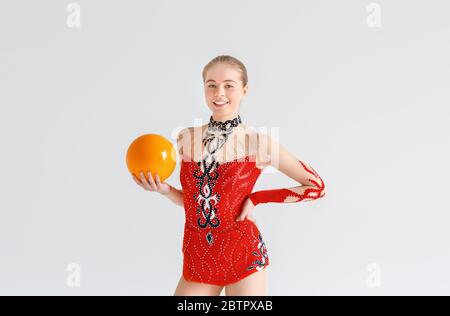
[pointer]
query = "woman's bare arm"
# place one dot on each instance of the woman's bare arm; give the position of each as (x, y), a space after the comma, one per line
(312, 186)
(175, 195)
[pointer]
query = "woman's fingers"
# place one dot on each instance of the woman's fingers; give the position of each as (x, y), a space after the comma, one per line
(158, 182)
(145, 182)
(137, 180)
(244, 216)
(149, 184)
(247, 211)
(152, 182)
(248, 216)
(241, 216)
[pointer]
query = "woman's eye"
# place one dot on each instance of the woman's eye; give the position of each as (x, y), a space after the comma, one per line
(213, 86)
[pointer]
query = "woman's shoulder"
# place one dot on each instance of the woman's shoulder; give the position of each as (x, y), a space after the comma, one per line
(257, 137)
(188, 136)
(192, 129)
(185, 131)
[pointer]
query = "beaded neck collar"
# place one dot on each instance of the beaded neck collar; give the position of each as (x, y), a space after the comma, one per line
(224, 126)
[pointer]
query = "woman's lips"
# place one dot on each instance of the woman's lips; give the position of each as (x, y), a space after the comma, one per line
(220, 103)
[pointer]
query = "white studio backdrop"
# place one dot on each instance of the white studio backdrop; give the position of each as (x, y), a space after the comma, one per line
(357, 89)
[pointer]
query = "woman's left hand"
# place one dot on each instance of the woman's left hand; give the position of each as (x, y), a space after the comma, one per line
(247, 211)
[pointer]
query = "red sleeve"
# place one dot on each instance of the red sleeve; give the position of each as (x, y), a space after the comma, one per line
(313, 190)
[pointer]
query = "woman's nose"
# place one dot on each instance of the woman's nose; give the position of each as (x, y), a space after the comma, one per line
(220, 92)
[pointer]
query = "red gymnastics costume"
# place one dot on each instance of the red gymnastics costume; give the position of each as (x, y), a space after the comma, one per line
(217, 249)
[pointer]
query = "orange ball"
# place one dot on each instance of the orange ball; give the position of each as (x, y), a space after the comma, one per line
(151, 153)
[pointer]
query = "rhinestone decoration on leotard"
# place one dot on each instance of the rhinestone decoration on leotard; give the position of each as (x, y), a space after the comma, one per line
(261, 253)
(225, 250)
(226, 259)
(216, 134)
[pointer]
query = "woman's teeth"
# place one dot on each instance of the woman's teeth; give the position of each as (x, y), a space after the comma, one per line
(220, 103)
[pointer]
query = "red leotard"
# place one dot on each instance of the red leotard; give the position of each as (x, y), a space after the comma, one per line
(217, 249)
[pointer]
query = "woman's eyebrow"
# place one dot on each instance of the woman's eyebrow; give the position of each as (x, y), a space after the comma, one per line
(223, 81)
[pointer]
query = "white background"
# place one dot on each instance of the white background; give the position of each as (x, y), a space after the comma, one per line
(367, 107)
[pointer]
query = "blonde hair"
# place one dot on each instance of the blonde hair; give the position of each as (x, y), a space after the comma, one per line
(230, 60)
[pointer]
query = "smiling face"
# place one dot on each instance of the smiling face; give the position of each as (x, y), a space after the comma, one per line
(224, 91)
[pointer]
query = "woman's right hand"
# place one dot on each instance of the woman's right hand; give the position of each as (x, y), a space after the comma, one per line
(152, 185)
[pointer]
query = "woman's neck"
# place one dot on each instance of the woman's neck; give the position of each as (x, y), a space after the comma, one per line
(226, 125)
(224, 117)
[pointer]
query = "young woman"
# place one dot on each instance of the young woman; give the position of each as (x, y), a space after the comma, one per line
(221, 161)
